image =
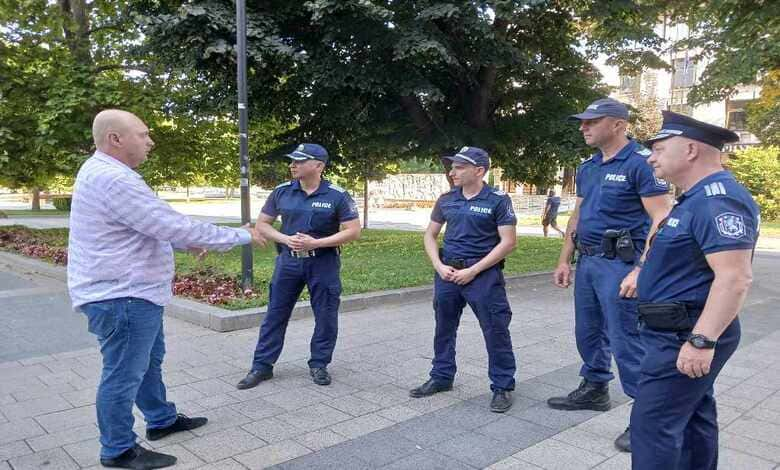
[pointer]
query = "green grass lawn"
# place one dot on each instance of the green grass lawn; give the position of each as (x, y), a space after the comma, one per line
(770, 229)
(13, 213)
(380, 260)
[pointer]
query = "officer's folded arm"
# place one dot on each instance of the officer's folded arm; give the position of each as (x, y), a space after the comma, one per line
(265, 229)
(349, 232)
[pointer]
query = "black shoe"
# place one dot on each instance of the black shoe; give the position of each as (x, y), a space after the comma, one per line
(432, 386)
(182, 423)
(319, 375)
(253, 378)
(588, 396)
(502, 401)
(139, 458)
(623, 441)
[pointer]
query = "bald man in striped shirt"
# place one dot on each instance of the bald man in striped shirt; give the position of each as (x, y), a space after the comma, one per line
(120, 273)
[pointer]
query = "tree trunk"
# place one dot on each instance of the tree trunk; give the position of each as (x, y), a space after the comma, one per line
(188, 194)
(76, 30)
(365, 202)
(36, 199)
(417, 113)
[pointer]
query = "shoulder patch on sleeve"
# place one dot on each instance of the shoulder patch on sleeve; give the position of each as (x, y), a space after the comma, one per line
(498, 192)
(337, 188)
(645, 152)
(287, 183)
(715, 189)
(730, 225)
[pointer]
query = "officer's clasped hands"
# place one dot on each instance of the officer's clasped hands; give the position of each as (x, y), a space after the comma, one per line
(301, 242)
(462, 277)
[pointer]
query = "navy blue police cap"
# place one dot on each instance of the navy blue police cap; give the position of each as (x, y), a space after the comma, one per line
(601, 108)
(471, 155)
(309, 152)
(680, 125)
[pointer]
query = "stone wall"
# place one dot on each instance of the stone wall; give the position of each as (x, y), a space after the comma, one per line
(408, 187)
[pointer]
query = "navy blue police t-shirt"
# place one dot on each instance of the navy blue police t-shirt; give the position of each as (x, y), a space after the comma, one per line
(716, 214)
(318, 214)
(472, 224)
(612, 194)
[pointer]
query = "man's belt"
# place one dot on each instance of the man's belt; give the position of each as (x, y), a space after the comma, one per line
(614, 244)
(306, 253)
(669, 316)
(591, 250)
(463, 263)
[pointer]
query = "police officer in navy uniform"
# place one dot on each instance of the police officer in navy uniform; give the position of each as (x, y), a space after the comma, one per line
(480, 234)
(617, 196)
(691, 288)
(317, 218)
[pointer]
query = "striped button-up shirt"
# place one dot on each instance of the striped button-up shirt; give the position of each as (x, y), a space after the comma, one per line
(122, 236)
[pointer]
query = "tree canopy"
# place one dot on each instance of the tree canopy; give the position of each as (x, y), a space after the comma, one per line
(415, 78)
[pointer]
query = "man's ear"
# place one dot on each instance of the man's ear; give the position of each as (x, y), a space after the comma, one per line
(692, 151)
(113, 139)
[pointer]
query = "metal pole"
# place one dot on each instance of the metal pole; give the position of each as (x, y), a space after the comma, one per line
(246, 250)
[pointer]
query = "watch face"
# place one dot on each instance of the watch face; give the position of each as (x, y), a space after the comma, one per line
(698, 341)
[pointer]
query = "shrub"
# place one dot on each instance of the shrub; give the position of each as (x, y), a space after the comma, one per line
(61, 203)
(758, 168)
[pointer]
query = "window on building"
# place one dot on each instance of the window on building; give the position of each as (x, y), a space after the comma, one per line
(736, 116)
(630, 83)
(683, 108)
(684, 73)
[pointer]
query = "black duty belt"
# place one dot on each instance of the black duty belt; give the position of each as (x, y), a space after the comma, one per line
(591, 250)
(307, 253)
(463, 263)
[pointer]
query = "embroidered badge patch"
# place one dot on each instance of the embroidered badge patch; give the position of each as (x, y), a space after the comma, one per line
(660, 182)
(730, 225)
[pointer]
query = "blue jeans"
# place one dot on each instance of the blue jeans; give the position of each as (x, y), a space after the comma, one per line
(130, 333)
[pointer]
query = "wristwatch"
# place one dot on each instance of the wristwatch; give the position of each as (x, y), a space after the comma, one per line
(701, 342)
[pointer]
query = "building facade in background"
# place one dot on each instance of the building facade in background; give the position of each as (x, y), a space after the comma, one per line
(669, 89)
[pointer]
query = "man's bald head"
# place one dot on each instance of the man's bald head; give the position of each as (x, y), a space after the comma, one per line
(122, 135)
(110, 120)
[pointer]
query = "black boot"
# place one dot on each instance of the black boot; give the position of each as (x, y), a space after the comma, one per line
(588, 396)
(320, 375)
(623, 441)
(501, 402)
(430, 387)
(139, 458)
(253, 378)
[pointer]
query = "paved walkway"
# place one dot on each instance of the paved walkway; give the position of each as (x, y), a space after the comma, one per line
(49, 369)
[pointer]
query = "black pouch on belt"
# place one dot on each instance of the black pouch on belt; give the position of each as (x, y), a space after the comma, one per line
(624, 247)
(608, 242)
(670, 316)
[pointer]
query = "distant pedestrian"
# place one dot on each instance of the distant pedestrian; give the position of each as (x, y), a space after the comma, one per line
(550, 214)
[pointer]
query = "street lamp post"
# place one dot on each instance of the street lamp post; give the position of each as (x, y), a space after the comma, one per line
(246, 250)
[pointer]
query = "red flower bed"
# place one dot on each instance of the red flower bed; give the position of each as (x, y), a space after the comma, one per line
(206, 286)
(24, 242)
